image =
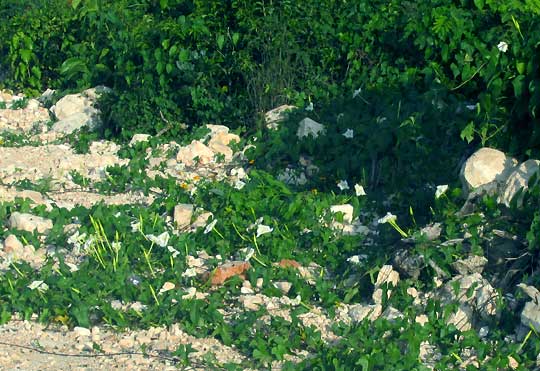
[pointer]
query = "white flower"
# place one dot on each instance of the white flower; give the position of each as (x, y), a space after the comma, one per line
(135, 227)
(349, 133)
(380, 119)
(309, 106)
(167, 286)
(296, 301)
(441, 189)
(502, 46)
(387, 218)
(359, 190)
(116, 245)
(239, 184)
(249, 253)
(39, 285)
(355, 259)
(138, 306)
(191, 292)
(343, 185)
(263, 229)
(471, 107)
(210, 226)
(72, 267)
(160, 240)
(190, 272)
(356, 92)
(173, 251)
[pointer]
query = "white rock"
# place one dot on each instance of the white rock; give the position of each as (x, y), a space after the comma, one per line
(182, 215)
(196, 149)
(222, 149)
(518, 180)
(347, 211)
(470, 265)
(217, 129)
(485, 166)
(223, 139)
(33, 104)
(531, 315)
(82, 331)
(71, 104)
(29, 223)
(251, 302)
(13, 245)
(391, 314)
(358, 312)
(284, 286)
(531, 291)
(309, 127)
(76, 121)
(387, 274)
(202, 219)
(462, 318)
(277, 115)
(139, 138)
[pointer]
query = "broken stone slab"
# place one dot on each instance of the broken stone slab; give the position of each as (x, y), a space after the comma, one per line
(308, 127)
(139, 138)
(387, 275)
(77, 121)
(29, 222)
(530, 316)
(470, 265)
(517, 181)
(195, 150)
(485, 166)
(277, 115)
(182, 215)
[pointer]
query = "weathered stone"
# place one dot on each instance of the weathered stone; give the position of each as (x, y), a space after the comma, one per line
(82, 331)
(292, 177)
(139, 138)
(182, 215)
(196, 150)
(13, 245)
(201, 220)
(408, 264)
(72, 104)
(222, 149)
(358, 312)
(76, 121)
(518, 180)
(284, 286)
(531, 315)
(96, 92)
(223, 138)
(432, 232)
(485, 166)
(472, 264)
(277, 115)
(308, 127)
(289, 263)
(462, 318)
(228, 270)
(30, 223)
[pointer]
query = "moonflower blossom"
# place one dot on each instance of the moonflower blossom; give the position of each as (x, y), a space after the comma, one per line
(309, 107)
(263, 229)
(210, 226)
(471, 107)
(349, 133)
(388, 218)
(160, 240)
(343, 185)
(502, 46)
(359, 190)
(441, 189)
(173, 251)
(39, 285)
(356, 92)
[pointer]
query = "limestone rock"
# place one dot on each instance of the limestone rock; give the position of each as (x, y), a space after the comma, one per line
(72, 104)
(30, 223)
(485, 166)
(223, 138)
(196, 149)
(472, 264)
(518, 180)
(13, 245)
(76, 121)
(308, 127)
(531, 315)
(201, 220)
(358, 312)
(139, 138)
(96, 92)
(182, 215)
(277, 115)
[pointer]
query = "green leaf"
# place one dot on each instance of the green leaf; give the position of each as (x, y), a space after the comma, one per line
(220, 41)
(520, 66)
(519, 85)
(25, 55)
(468, 132)
(479, 4)
(73, 67)
(235, 38)
(75, 3)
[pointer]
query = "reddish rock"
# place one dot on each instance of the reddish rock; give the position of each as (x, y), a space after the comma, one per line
(228, 270)
(289, 263)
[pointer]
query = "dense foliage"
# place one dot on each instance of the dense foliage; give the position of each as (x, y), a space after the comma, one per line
(225, 62)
